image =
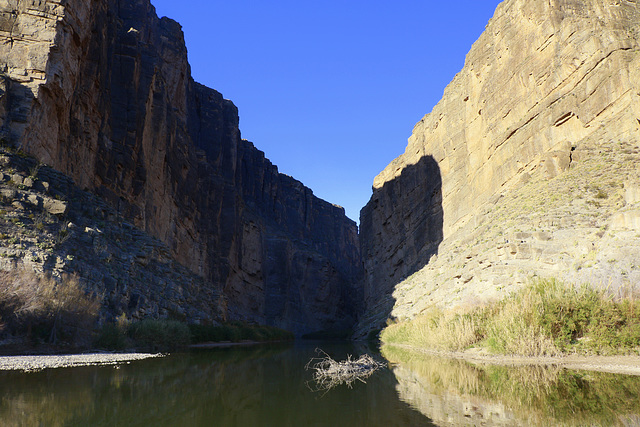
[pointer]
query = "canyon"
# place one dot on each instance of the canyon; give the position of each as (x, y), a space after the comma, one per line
(527, 167)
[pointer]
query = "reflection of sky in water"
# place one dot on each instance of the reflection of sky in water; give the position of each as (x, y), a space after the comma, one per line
(257, 386)
(455, 392)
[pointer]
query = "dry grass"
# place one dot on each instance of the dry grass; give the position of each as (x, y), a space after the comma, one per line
(45, 309)
(514, 327)
(437, 330)
(545, 318)
(330, 373)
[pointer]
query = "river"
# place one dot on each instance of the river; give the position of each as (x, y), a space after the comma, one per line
(268, 385)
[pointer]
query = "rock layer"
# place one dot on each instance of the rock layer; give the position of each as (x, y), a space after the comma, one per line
(536, 141)
(102, 91)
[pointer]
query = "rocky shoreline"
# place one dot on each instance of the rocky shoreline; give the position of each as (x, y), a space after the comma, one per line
(39, 362)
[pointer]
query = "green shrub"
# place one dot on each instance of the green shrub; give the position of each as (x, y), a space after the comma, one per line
(159, 334)
(144, 335)
(112, 337)
(601, 194)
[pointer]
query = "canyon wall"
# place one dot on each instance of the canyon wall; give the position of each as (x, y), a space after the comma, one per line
(102, 91)
(526, 167)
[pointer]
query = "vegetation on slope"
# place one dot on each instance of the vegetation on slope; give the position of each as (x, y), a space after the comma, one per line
(547, 317)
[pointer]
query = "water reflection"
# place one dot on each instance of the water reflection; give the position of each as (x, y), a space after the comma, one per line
(453, 392)
(257, 386)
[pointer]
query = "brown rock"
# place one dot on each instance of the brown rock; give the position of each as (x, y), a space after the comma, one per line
(17, 179)
(9, 193)
(54, 207)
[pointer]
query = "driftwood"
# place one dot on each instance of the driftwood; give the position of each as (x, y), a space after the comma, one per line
(330, 373)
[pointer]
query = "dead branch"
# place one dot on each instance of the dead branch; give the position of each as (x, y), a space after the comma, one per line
(330, 373)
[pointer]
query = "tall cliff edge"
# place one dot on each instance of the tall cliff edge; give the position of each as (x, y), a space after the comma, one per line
(102, 92)
(527, 166)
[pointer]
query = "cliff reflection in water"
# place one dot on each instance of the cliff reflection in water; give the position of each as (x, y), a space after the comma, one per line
(454, 392)
(257, 386)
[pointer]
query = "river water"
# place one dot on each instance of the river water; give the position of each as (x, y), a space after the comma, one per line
(268, 385)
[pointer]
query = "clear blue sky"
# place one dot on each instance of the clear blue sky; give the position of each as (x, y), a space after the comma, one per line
(329, 90)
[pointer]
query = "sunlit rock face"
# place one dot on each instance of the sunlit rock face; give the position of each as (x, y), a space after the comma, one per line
(536, 143)
(102, 91)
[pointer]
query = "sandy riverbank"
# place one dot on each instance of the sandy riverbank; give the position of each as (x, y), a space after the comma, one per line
(38, 363)
(629, 365)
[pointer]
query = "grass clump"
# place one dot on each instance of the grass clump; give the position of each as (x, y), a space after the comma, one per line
(436, 330)
(547, 317)
(601, 194)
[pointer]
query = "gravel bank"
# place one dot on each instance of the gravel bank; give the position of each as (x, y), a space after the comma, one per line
(38, 363)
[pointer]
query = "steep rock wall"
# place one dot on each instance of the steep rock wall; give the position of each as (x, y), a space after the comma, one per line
(102, 91)
(547, 104)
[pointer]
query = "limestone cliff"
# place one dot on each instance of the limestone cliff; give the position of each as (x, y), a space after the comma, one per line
(527, 166)
(102, 91)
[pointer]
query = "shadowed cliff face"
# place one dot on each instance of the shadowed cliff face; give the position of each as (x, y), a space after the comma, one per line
(401, 227)
(105, 95)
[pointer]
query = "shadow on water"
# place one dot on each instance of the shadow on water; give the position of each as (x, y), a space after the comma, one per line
(458, 393)
(256, 386)
(401, 228)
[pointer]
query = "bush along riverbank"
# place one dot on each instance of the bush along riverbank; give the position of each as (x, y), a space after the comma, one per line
(546, 318)
(42, 314)
(40, 310)
(171, 335)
